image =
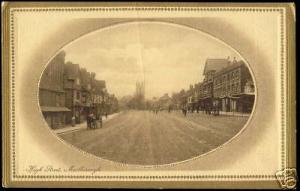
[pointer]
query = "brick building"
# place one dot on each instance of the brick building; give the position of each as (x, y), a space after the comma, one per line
(227, 86)
(98, 97)
(86, 95)
(190, 98)
(68, 91)
(198, 89)
(233, 88)
(72, 86)
(211, 67)
(52, 94)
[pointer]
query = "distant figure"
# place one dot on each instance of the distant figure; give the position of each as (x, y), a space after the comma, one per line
(216, 109)
(91, 120)
(184, 111)
(88, 121)
(77, 118)
(209, 109)
(100, 120)
(106, 115)
(169, 109)
(73, 121)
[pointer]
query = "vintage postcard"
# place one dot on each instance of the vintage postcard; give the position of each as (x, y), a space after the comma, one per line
(161, 95)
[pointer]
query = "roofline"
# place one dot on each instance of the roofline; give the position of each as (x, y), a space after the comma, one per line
(238, 64)
(211, 59)
(205, 66)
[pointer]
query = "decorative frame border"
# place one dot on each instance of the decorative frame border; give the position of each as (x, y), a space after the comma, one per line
(9, 32)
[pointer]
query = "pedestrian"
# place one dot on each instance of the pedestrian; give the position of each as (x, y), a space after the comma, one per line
(94, 122)
(77, 117)
(184, 111)
(73, 121)
(100, 120)
(88, 120)
(106, 115)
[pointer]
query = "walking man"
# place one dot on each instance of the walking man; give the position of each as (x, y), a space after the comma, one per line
(88, 121)
(184, 110)
(93, 121)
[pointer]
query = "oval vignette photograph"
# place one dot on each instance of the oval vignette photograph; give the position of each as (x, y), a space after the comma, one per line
(147, 93)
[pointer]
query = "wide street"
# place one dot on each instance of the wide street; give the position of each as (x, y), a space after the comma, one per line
(146, 138)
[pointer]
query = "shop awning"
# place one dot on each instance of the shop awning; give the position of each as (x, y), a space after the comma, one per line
(207, 97)
(243, 94)
(54, 109)
(248, 94)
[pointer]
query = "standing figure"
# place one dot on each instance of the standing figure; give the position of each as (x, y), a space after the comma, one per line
(88, 121)
(184, 111)
(169, 109)
(93, 121)
(100, 120)
(73, 122)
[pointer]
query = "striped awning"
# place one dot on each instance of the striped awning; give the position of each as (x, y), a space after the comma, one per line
(54, 109)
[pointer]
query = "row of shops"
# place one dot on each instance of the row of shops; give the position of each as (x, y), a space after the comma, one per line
(69, 93)
(227, 86)
(242, 103)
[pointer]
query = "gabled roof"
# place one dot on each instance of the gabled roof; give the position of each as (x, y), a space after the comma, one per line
(215, 64)
(99, 85)
(85, 77)
(71, 70)
(231, 67)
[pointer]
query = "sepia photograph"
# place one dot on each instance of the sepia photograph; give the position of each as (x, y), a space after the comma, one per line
(121, 95)
(149, 95)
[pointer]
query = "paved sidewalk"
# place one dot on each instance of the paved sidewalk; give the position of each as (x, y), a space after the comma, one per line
(240, 114)
(83, 125)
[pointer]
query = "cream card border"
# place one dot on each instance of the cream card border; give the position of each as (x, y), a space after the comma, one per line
(283, 85)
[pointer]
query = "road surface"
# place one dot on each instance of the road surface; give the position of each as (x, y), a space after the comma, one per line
(146, 138)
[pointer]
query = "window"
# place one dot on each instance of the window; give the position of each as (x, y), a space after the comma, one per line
(77, 81)
(83, 98)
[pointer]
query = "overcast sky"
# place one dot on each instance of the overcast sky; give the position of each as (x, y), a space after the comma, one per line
(168, 57)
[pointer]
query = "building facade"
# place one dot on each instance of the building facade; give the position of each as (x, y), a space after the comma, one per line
(227, 86)
(73, 95)
(68, 92)
(234, 88)
(84, 93)
(206, 98)
(99, 97)
(52, 94)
